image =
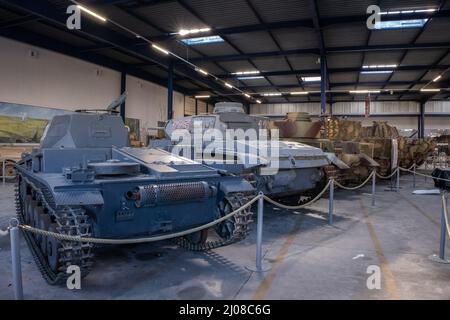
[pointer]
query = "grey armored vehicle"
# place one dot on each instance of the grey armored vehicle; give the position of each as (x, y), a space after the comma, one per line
(300, 173)
(85, 181)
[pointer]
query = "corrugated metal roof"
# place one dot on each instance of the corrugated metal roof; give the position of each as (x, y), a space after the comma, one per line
(333, 8)
(383, 57)
(345, 35)
(438, 30)
(284, 80)
(170, 16)
(286, 10)
(236, 66)
(406, 75)
(223, 14)
(253, 42)
(398, 36)
(214, 49)
(344, 77)
(271, 63)
(133, 23)
(307, 61)
(341, 60)
(408, 4)
(420, 57)
(304, 38)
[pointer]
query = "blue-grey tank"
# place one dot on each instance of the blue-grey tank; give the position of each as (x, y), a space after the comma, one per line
(300, 168)
(85, 181)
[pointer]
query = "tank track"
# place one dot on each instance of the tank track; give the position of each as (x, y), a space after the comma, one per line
(242, 220)
(67, 220)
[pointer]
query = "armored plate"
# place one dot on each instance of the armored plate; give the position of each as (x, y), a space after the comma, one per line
(112, 168)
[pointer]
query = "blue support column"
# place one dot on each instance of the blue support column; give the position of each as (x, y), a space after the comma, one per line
(170, 91)
(123, 89)
(422, 121)
(323, 86)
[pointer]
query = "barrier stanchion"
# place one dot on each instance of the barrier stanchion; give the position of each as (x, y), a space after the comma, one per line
(397, 185)
(259, 235)
(443, 237)
(414, 176)
(374, 184)
(15, 258)
(443, 231)
(4, 171)
(331, 203)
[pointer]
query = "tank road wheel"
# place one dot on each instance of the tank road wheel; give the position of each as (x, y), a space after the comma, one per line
(226, 228)
(198, 238)
(52, 249)
(44, 224)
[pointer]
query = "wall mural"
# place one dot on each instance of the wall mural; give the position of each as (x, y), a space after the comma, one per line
(23, 123)
(26, 124)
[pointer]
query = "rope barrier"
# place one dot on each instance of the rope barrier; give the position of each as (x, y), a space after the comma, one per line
(389, 176)
(358, 187)
(215, 222)
(137, 240)
(424, 175)
(300, 206)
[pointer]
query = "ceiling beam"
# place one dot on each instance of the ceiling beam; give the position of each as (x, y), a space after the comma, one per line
(339, 70)
(330, 50)
(100, 33)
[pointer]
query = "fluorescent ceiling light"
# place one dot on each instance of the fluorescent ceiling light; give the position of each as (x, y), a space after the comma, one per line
(247, 95)
(364, 91)
(243, 73)
(437, 78)
(258, 101)
(430, 90)
(377, 72)
(251, 78)
(160, 49)
(92, 13)
(202, 40)
(298, 93)
(201, 71)
(407, 11)
(425, 10)
(311, 79)
(202, 97)
(271, 94)
(184, 32)
(400, 24)
(380, 66)
(228, 85)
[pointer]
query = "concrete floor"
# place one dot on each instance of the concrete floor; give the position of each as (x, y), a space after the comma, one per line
(308, 258)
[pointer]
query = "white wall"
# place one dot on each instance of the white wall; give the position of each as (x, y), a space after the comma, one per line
(54, 80)
(148, 102)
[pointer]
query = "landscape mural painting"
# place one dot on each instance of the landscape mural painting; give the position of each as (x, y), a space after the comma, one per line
(23, 123)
